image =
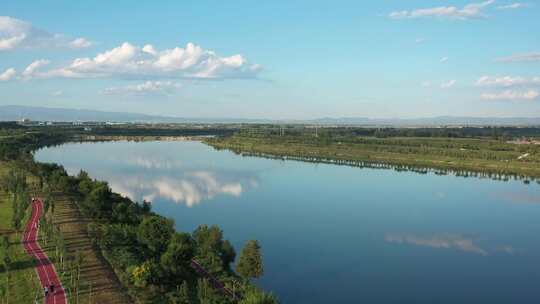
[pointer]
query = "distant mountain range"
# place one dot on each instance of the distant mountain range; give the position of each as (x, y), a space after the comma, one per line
(10, 113)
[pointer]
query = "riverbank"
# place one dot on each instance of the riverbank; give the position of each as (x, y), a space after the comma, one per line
(110, 247)
(106, 138)
(18, 283)
(457, 154)
(95, 277)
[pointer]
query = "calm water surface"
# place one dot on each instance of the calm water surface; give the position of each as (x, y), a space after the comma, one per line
(335, 234)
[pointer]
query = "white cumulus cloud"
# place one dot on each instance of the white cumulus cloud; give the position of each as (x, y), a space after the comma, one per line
(33, 68)
(512, 6)
(145, 88)
(448, 84)
(512, 95)
(15, 33)
(80, 43)
(525, 57)
(132, 62)
(472, 10)
(8, 74)
(149, 49)
(507, 81)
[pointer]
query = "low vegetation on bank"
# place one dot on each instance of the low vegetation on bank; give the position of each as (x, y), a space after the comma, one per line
(18, 280)
(477, 149)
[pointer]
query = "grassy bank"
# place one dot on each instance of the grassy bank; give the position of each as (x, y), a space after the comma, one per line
(22, 286)
(470, 154)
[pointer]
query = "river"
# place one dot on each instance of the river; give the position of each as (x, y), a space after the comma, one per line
(338, 234)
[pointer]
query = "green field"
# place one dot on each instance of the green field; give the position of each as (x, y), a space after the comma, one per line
(467, 154)
(23, 284)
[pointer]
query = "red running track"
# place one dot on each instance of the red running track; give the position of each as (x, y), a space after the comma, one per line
(44, 268)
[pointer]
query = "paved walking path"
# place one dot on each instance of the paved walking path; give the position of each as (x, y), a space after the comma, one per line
(44, 268)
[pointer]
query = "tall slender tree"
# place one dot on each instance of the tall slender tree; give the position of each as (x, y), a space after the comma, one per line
(250, 264)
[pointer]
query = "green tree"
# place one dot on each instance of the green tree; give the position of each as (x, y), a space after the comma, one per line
(155, 232)
(4, 243)
(125, 212)
(206, 294)
(214, 253)
(180, 295)
(250, 263)
(85, 183)
(97, 202)
(228, 254)
(18, 213)
(255, 296)
(5, 261)
(208, 238)
(176, 259)
(78, 260)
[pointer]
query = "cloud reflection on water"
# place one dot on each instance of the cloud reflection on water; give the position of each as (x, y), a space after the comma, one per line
(189, 188)
(449, 241)
(148, 162)
(171, 180)
(520, 197)
(193, 188)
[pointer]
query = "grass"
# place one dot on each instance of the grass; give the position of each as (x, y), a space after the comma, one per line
(480, 155)
(23, 283)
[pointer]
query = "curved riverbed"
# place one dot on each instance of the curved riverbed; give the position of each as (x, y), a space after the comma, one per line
(337, 234)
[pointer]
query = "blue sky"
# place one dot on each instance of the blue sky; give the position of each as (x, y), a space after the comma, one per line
(274, 59)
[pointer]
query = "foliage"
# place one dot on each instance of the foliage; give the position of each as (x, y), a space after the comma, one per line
(155, 232)
(142, 274)
(215, 253)
(176, 259)
(250, 263)
(344, 146)
(255, 296)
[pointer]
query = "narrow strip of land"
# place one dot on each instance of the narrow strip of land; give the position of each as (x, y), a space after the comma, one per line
(458, 154)
(44, 268)
(98, 282)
